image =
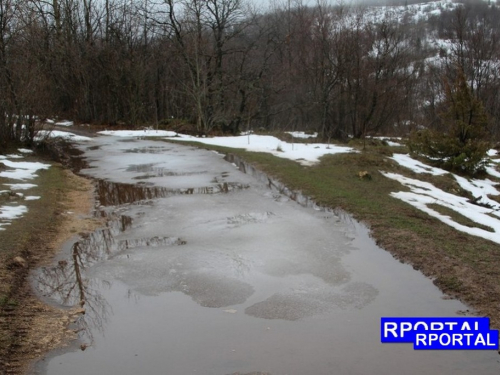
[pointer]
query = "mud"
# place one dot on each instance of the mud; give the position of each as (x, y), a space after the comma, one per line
(30, 327)
(189, 277)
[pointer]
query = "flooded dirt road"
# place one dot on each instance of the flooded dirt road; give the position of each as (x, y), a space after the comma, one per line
(203, 269)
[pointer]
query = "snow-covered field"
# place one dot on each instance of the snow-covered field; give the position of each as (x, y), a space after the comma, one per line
(411, 13)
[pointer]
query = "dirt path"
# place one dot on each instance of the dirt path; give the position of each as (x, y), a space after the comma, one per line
(29, 327)
(35, 328)
(211, 271)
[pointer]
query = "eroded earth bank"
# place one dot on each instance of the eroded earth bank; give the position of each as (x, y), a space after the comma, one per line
(204, 269)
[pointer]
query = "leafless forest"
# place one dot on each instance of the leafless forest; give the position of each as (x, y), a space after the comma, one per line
(229, 65)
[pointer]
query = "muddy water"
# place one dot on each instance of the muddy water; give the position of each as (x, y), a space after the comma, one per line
(203, 269)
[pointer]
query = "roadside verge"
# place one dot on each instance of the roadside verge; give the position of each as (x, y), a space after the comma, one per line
(28, 327)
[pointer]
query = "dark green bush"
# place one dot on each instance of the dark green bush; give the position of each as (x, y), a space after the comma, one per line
(460, 143)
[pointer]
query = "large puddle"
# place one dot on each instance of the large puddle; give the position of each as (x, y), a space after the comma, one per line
(204, 269)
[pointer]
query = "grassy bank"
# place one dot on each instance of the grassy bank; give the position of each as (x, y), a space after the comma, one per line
(24, 234)
(24, 239)
(28, 327)
(463, 266)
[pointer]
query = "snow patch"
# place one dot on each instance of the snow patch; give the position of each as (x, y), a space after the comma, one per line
(22, 170)
(60, 134)
(139, 133)
(21, 186)
(65, 123)
(423, 194)
(492, 172)
(31, 198)
(416, 166)
(12, 212)
(305, 154)
(303, 135)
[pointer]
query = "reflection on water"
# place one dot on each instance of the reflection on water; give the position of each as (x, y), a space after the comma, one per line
(151, 171)
(114, 193)
(148, 150)
(67, 283)
(251, 282)
(282, 190)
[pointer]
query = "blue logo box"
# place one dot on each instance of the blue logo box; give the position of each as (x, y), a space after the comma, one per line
(440, 333)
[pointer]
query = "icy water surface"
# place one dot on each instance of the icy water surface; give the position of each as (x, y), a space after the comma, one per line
(203, 269)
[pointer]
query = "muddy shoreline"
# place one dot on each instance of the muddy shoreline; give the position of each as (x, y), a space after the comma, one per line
(175, 274)
(45, 327)
(34, 327)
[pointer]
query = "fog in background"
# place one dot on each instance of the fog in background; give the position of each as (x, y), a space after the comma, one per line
(216, 66)
(264, 5)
